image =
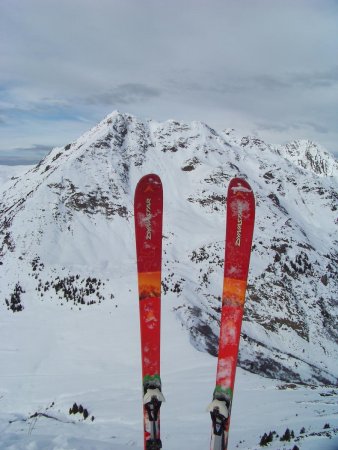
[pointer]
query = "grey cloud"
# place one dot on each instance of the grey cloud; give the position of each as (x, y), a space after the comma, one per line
(270, 82)
(281, 81)
(36, 106)
(125, 94)
(280, 127)
(272, 63)
(325, 78)
(317, 127)
(228, 83)
(30, 155)
(289, 126)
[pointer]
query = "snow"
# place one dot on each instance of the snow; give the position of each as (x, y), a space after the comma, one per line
(57, 352)
(7, 173)
(55, 358)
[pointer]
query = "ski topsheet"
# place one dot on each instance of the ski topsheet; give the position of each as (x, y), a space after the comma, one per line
(239, 233)
(148, 210)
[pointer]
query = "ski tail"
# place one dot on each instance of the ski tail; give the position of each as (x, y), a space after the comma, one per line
(148, 213)
(238, 241)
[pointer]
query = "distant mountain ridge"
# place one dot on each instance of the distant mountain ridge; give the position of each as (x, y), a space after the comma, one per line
(66, 232)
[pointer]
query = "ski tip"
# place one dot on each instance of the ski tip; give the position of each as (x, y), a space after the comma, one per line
(151, 178)
(149, 184)
(240, 185)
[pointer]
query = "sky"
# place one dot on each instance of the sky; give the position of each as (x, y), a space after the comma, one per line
(267, 68)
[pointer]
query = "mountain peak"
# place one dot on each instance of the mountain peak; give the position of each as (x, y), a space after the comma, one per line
(310, 156)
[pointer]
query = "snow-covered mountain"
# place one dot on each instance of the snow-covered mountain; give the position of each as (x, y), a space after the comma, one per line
(69, 328)
(66, 225)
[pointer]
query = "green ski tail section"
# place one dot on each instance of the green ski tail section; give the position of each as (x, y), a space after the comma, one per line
(153, 380)
(221, 392)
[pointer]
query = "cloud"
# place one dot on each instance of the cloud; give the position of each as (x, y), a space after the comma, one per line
(18, 102)
(308, 79)
(318, 78)
(22, 156)
(125, 94)
(266, 65)
(290, 127)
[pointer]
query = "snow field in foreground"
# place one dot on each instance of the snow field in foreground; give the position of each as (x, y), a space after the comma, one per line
(52, 357)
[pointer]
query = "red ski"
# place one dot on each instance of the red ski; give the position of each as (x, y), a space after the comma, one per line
(239, 233)
(148, 209)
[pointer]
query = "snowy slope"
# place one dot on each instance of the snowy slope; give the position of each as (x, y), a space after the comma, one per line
(8, 173)
(67, 256)
(57, 359)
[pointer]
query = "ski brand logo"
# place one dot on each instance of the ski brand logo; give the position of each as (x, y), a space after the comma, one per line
(239, 225)
(148, 219)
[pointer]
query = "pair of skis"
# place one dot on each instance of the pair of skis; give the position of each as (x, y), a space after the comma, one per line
(148, 208)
